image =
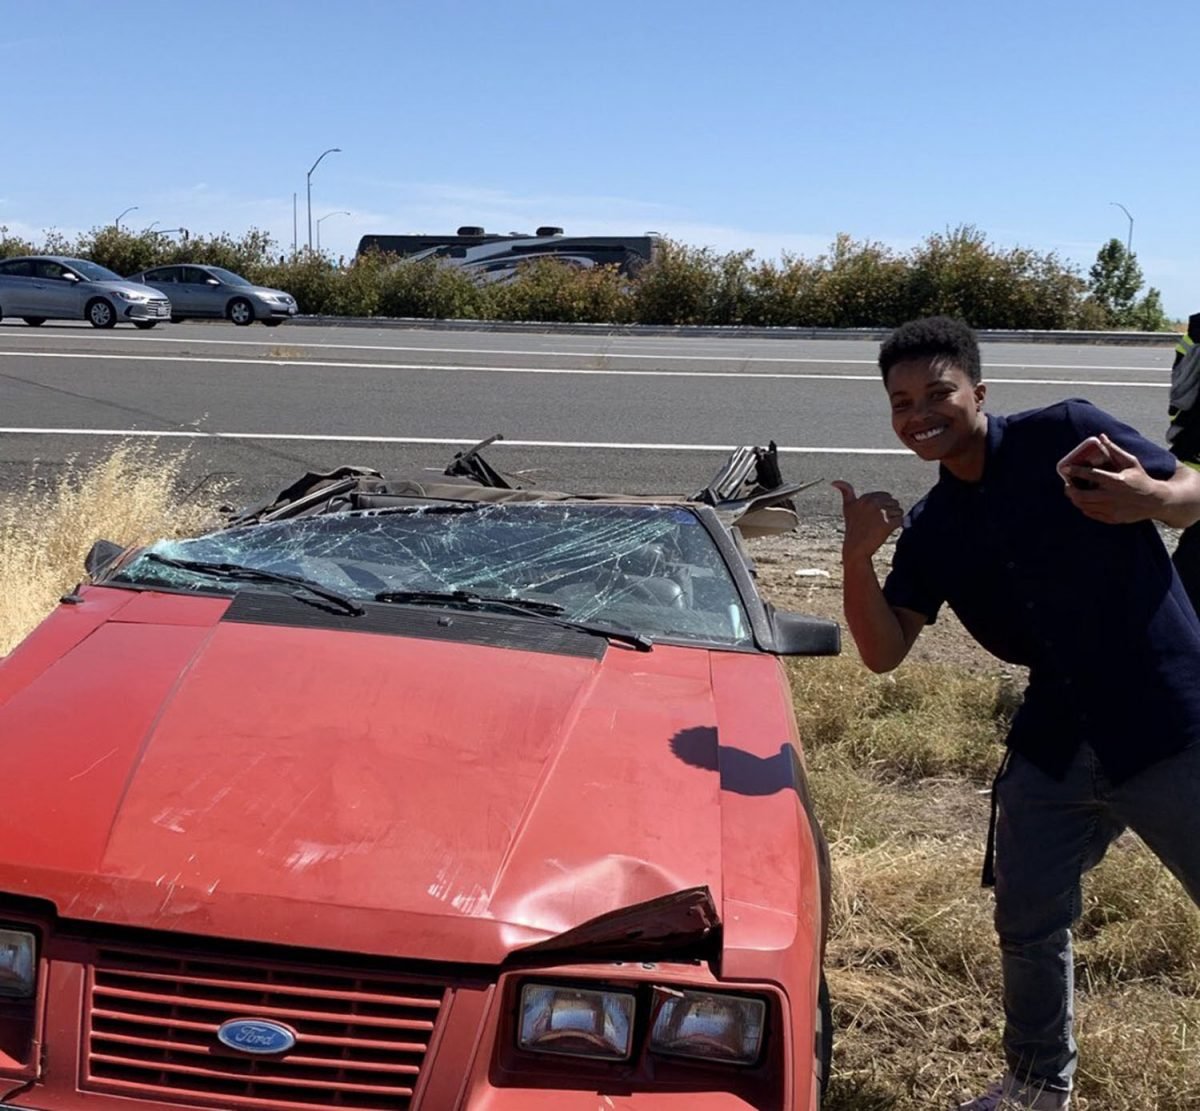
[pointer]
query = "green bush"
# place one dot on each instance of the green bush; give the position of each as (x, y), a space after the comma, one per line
(960, 274)
(867, 284)
(128, 252)
(859, 285)
(310, 278)
(784, 291)
(123, 252)
(550, 290)
(680, 286)
(856, 283)
(429, 289)
(10, 245)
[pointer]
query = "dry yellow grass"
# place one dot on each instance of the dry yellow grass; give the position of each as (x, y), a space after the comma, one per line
(132, 496)
(900, 765)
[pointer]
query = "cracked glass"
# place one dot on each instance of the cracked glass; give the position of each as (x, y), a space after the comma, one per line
(653, 569)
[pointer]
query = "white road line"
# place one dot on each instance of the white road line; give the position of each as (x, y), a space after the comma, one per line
(141, 433)
(565, 371)
(50, 337)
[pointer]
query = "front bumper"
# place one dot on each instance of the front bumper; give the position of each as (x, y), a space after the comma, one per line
(157, 309)
(130, 1025)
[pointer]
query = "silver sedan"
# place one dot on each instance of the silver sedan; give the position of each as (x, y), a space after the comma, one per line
(38, 288)
(213, 291)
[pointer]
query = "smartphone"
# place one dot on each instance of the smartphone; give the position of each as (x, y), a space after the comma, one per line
(1091, 453)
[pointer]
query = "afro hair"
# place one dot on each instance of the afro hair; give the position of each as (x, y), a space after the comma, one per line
(933, 337)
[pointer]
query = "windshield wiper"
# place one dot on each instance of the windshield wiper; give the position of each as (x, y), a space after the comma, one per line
(243, 573)
(469, 598)
(527, 607)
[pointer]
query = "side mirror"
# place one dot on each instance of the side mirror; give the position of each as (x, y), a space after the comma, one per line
(797, 634)
(67, 276)
(211, 281)
(100, 555)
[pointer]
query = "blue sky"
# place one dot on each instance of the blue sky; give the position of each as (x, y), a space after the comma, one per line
(766, 125)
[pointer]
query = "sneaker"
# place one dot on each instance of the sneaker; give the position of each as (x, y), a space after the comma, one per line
(1008, 1094)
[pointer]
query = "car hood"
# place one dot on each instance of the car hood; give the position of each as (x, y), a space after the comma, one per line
(334, 789)
(126, 285)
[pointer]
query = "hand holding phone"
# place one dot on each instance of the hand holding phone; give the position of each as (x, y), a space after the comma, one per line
(1091, 454)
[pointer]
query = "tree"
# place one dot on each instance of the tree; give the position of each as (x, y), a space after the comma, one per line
(1148, 315)
(1116, 279)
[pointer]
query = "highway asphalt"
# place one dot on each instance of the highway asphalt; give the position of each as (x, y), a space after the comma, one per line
(641, 414)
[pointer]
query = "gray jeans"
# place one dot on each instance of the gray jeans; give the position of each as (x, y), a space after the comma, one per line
(1048, 834)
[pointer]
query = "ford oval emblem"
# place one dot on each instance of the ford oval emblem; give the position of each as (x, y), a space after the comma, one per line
(256, 1035)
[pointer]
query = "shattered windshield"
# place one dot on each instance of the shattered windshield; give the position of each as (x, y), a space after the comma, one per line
(649, 568)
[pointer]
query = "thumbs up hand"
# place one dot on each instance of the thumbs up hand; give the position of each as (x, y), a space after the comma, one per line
(870, 520)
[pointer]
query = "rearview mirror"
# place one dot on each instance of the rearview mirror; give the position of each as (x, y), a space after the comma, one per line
(797, 634)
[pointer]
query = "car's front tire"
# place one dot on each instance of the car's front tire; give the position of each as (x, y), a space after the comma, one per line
(100, 313)
(240, 311)
(34, 321)
(145, 325)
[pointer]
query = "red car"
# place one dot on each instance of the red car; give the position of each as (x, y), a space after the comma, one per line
(431, 795)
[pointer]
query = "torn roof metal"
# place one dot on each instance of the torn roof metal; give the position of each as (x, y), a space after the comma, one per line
(747, 492)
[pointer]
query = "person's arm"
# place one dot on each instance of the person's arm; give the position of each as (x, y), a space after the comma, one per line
(883, 633)
(1126, 493)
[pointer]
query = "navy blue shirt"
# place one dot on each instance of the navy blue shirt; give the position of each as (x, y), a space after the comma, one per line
(1095, 611)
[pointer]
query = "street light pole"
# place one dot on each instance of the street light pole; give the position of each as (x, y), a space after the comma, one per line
(308, 182)
(117, 221)
(343, 212)
(1129, 240)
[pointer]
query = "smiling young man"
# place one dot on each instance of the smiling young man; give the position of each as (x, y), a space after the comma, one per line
(1063, 572)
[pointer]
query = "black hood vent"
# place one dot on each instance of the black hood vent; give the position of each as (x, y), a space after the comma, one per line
(261, 607)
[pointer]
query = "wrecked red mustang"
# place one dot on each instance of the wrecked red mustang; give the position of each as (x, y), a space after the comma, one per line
(421, 794)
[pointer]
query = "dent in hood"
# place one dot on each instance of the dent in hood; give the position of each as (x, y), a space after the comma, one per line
(682, 924)
(358, 792)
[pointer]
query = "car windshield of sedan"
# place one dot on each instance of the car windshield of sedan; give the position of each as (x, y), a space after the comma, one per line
(227, 276)
(94, 272)
(653, 569)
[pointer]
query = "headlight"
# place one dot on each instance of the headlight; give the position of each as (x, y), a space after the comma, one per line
(18, 964)
(713, 1027)
(575, 1022)
(274, 298)
(130, 296)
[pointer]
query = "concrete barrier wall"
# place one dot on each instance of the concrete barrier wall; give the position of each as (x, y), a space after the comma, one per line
(682, 331)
